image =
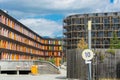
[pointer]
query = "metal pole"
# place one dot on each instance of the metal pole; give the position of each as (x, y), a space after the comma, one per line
(89, 34)
(89, 46)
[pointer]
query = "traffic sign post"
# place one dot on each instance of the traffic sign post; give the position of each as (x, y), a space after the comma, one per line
(89, 46)
(88, 55)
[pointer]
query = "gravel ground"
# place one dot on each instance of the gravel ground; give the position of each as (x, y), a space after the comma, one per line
(61, 76)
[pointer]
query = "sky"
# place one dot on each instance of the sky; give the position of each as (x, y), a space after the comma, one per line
(45, 17)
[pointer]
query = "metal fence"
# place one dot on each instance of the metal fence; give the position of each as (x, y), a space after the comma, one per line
(105, 65)
(76, 68)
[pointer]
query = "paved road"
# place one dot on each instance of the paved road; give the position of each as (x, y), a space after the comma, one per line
(61, 76)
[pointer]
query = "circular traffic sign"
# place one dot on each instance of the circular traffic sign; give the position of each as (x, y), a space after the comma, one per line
(87, 54)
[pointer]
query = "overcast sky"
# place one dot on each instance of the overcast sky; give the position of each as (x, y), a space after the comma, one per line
(45, 16)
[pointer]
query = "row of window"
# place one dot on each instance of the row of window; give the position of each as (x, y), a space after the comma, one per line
(104, 34)
(93, 19)
(94, 34)
(13, 46)
(106, 27)
(52, 53)
(17, 47)
(13, 56)
(12, 35)
(19, 28)
(16, 26)
(98, 41)
(94, 27)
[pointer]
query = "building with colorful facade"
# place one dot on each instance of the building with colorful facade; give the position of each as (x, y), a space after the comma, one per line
(18, 42)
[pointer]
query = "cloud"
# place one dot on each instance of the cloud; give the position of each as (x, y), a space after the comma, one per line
(39, 15)
(44, 7)
(43, 27)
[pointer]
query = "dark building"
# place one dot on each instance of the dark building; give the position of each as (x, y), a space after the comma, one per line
(103, 26)
(105, 65)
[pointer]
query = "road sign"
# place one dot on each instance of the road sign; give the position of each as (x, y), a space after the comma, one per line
(87, 54)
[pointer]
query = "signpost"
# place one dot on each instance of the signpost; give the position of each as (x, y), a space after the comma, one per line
(87, 54)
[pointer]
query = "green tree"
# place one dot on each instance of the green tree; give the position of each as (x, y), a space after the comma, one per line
(114, 42)
(52, 60)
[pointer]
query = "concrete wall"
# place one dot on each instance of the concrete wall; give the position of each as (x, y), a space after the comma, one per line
(44, 67)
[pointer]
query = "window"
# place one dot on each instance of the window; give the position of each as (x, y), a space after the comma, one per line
(100, 34)
(0, 18)
(119, 34)
(106, 41)
(93, 34)
(110, 34)
(97, 20)
(106, 21)
(115, 20)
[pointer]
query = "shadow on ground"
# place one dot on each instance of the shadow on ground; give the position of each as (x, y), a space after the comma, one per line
(61, 77)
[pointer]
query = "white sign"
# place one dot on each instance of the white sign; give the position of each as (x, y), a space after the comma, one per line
(87, 62)
(87, 54)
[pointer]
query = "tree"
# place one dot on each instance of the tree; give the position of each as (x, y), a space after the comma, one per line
(82, 44)
(52, 60)
(114, 42)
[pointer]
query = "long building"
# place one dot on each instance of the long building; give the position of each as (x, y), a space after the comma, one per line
(18, 42)
(103, 26)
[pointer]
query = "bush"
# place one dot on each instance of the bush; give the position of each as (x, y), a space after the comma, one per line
(111, 51)
(52, 60)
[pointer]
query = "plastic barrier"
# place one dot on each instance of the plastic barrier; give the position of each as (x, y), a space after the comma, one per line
(34, 69)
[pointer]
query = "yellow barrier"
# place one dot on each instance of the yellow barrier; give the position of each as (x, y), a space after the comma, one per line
(34, 69)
